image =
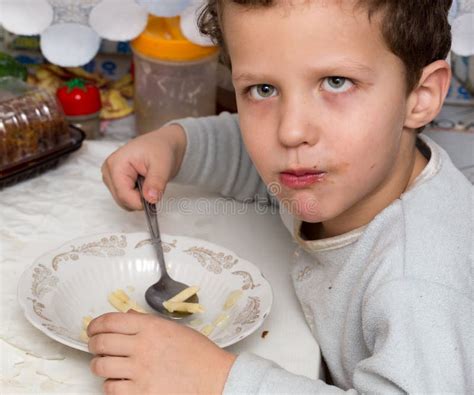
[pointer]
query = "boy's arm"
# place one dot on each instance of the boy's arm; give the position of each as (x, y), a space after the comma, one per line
(217, 160)
(418, 334)
(251, 374)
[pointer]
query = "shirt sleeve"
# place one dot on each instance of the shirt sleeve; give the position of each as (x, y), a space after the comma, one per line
(419, 337)
(251, 374)
(216, 159)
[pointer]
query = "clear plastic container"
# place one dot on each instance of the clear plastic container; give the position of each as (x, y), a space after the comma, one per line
(173, 77)
(31, 123)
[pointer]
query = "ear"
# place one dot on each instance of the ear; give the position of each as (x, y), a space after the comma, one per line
(425, 101)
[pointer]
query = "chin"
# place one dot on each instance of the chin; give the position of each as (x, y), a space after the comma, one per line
(304, 207)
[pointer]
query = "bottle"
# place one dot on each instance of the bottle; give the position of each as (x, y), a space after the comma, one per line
(174, 78)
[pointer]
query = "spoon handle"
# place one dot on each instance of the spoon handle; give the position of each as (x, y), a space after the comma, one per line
(152, 221)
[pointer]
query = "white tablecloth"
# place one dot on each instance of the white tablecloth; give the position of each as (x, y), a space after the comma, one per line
(70, 202)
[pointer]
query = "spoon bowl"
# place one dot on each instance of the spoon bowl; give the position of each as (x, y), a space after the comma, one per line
(165, 288)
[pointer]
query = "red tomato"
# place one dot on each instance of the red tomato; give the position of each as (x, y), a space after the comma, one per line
(78, 97)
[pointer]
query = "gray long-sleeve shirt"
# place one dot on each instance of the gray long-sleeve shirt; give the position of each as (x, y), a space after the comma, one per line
(390, 304)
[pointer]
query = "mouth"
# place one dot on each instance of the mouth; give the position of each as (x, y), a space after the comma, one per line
(301, 178)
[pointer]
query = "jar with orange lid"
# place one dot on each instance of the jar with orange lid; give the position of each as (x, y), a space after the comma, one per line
(174, 78)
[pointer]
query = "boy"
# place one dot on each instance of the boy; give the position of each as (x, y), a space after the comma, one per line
(331, 96)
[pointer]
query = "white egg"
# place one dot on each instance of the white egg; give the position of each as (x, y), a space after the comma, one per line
(189, 25)
(118, 20)
(167, 8)
(26, 17)
(69, 44)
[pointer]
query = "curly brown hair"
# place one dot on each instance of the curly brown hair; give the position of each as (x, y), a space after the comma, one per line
(417, 31)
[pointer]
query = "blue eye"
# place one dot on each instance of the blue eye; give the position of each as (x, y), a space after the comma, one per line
(262, 91)
(337, 84)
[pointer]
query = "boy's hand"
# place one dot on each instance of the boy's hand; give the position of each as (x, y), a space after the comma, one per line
(145, 354)
(156, 155)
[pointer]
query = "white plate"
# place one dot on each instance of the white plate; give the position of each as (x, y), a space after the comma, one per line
(65, 285)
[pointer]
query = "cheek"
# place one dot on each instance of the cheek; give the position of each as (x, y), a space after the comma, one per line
(260, 146)
(370, 137)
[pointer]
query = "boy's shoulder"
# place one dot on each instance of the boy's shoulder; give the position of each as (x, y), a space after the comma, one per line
(429, 229)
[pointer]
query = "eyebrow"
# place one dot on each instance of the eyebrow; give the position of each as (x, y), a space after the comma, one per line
(349, 65)
(250, 77)
(342, 66)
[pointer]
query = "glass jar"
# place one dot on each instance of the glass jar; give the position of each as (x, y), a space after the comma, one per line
(174, 78)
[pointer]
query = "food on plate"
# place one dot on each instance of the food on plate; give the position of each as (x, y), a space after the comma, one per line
(121, 301)
(207, 329)
(221, 319)
(232, 299)
(178, 302)
(85, 323)
(185, 294)
(183, 307)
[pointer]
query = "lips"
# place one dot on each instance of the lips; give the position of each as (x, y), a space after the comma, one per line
(301, 178)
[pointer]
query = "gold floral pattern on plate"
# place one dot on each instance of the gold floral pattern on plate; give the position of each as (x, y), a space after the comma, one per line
(250, 313)
(64, 284)
(247, 279)
(105, 247)
(248, 316)
(166, 246)
(59, 330)
(212, 261)
(43, 281)
(38, 308)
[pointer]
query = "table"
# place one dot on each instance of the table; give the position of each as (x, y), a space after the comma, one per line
(69, 202)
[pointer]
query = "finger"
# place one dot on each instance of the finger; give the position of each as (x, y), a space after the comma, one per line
(124, 179)
(111, 344)
(113, 192)
(118, 387)
(106, 178)
(120, 323)
(112, 367)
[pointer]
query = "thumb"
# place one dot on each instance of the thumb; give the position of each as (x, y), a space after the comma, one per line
(154, 185)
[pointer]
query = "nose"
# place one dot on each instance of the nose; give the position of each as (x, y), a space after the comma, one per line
(297, 124)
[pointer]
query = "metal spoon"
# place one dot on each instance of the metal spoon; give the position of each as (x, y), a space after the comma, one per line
(165, 288)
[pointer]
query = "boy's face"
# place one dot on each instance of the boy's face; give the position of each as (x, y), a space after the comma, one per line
(322, 106)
